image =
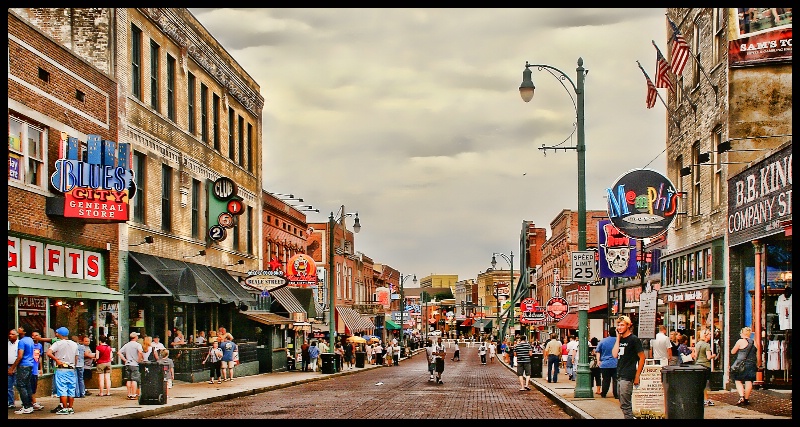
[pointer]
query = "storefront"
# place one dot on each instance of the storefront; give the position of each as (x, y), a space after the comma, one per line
(760, 246)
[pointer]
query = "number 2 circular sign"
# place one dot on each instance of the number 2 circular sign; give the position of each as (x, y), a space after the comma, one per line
(217, 233)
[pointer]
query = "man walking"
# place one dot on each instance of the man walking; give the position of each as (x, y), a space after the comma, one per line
(630, 361)
(552, 352)
(429, 350)
(439, 355)
(660, 347)
(572, 353)
(608, 364)
(523, 351)
(23, 366)
(304, 354)
(229, 353)
(13, 347)
(131, 354)
(63, 352)
(482, 352)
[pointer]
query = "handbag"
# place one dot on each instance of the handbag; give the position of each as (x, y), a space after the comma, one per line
(593, 363)
(686, 358)
(738, 365)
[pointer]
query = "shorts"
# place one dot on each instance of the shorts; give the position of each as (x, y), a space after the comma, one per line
(749, 373)
(132, 374)
(523, 369)
(103, 368)
(439, 365)
(66, 382)
(228, 364)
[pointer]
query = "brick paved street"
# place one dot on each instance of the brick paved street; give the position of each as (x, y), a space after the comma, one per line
(470, 390)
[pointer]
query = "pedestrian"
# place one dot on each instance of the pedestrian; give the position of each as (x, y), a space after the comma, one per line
(523, 351)
(339, 356)
(674, 343)
(684, 352)
(63, 353)
(131, 355)
(608, 364)
(492, 351)
(429, 350)
(456, 354)
(564, 353)
(482, 352)
(214, 361)
(594, 365)
(84, 353)
(504, 351)
(396, 353)
(229, 353)
(660, 347)
(630, 361)
(157, 344)
(313, 356)
(38, 353)
(368, 350)
(378, 353)
(212, 337)
(323, 346)
(103, 355)
(387, 354)
(349, 354)
(703, 357)
(439, 355)
(178, 341)
(168, 366)
(23, 368)
(13, 347)
(552, 353)
(744, 349)
(200, 338)
(304, 355)
(572, 353)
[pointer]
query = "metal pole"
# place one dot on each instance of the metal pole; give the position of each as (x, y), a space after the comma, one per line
(402, 311)
(510, 315)
(583, 385)
(331, 300)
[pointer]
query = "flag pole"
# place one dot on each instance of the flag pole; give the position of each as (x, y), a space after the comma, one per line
(694, 58)
(669, 113)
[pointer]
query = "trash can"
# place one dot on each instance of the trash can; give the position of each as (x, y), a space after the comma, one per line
(154, 388)
(683, 391)
(290, 364)
(360, 357)
(536, 365)
(328, 363)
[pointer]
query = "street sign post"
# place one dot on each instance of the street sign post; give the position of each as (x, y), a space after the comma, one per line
(584, 269)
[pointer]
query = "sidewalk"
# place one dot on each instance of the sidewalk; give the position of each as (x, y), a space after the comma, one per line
(563, 393)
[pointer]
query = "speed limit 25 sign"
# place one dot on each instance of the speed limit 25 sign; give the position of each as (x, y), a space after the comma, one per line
(583, 267)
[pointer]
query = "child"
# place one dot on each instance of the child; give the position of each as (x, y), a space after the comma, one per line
(169, 368)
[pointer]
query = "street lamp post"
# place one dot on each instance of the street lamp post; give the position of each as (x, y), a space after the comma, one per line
(341, 215)
(502, 331)
(403, 304)
(583, 385)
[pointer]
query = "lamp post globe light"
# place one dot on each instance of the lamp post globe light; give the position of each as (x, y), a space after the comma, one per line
(501, 332)
(403, 305)
(583, 385)
(341, 215)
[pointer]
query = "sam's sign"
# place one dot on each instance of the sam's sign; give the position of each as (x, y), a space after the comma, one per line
(97, 187)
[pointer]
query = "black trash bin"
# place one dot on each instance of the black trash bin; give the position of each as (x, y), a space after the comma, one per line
(154, 388)
(360, 357)
(328, 363)
(290, 364)
(536, 365)
(683, 391)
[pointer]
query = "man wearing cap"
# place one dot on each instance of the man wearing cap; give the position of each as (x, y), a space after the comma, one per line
(630, 354)
(157, 345)
(131, 354)
(64, 352)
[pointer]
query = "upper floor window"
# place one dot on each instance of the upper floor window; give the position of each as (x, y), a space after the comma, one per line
(166, 197)
(250, 229)
(136, 61)
(171, 87)
(195, 208)
(720, 39)
(154, 75)
(696, 53)
(137, 204)
(204, 113)
(680, 188)
(717, 183)
(231, 131)
(241, 141)
(250, 147)
(215, 119)
(696, 178)
(26, 153)
(190, 85)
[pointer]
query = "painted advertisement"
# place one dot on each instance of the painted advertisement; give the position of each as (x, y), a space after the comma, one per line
(617, 257)
(759, 35)
(642, 203)
(301, 270)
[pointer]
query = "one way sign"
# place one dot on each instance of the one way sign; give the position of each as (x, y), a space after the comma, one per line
(584, 269)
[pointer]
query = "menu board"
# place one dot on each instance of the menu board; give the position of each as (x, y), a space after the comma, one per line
(648, 398)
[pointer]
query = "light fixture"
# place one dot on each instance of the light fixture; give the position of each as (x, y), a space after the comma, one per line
(202, 252)
(240, 262)
(147, 239)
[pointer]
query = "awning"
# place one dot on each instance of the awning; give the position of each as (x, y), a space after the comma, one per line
(468, 322)
(598, 312)
(570, 321)
(305, 296)
(353, 320)
(287, 300)
(392, 325)
(598, 308)
(55, 288)
(188, 282)
(268, 319)
(482, 324)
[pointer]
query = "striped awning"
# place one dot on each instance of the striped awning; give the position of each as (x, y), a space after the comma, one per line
(286, 299)
(353, 321)
(269, 319)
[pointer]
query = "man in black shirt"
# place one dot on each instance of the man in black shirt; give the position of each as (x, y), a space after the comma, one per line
(630, 354)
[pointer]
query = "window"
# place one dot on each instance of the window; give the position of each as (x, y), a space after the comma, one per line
(241, 141)
(26, 153)
(679, 91)
(696, 53)
(719, 34)
(80, 96)
(231, 124)
(171, 88)
(154, 75)
(696, 178)
(716, 179)
(44, 75)
(137, 204)
(215, 119)
(190, 102)
(204, 113)
(195, 208)
(250, 147)
(250, 229)
(679, 185)
(236, 234)
(166, 197)
(136, 62)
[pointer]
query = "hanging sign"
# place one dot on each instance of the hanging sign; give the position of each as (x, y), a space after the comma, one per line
(557, 308)
(642, 203)
(301, 270)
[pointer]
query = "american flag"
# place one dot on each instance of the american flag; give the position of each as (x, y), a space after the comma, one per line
(662, 70)
(680, 50)
(652, 92)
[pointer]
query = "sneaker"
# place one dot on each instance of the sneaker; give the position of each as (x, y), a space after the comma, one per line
(440, 382)
(219, 381)
(211, 382)
(24, 410)
(37, 406)
(63, 411)
(56, 409)
(11, 406)
(71, 411)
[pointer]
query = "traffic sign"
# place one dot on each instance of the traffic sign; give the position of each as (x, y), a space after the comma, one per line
(557, 308)
(583, 267)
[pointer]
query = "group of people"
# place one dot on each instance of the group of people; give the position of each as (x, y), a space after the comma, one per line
(221, 358)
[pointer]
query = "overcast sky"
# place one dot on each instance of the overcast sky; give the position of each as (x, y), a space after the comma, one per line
(413, 118)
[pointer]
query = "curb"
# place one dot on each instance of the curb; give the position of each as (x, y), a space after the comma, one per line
(566, 405)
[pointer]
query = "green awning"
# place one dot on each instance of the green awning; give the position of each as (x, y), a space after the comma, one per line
(482, 324)
(391, 325)
(35, 286)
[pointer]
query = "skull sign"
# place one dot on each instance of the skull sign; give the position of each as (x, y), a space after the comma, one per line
(617, 249)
